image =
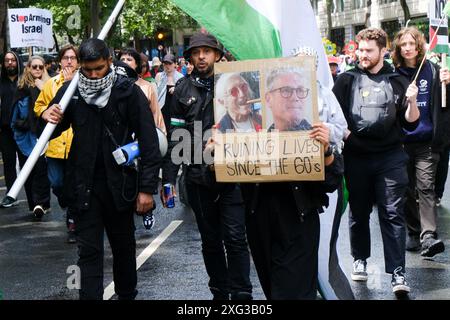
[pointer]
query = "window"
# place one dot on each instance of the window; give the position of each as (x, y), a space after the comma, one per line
(358, 4)
(338, 37)
(391, 28)
(386, 1)
(337, 6)
(358, 28)
(315, 6)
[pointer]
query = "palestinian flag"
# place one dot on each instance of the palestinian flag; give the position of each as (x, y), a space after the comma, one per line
(259, 29)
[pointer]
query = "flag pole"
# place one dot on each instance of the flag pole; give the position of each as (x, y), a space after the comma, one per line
(50, 127)
(428, 49)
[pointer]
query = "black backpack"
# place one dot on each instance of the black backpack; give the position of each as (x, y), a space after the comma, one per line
(373, 109)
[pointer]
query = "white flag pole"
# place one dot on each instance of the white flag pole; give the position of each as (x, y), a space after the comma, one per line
(49, 128)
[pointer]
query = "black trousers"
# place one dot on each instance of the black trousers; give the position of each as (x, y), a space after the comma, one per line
(119, 225)
(37, 186)
(442, 172)
(10, 151)
(284, 248)
(380, 178)
(220, 215)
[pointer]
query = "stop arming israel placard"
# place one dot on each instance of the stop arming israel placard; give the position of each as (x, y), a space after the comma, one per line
(263, 112)
(435, 13)
(30, 27)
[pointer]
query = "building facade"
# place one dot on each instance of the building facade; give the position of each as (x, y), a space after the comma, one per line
(349, 17)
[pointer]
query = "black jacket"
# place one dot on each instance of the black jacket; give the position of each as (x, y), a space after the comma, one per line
(191, 102)
(8, 90)
(127, 112)
(440, 117)
(310, 196)
(394, 138)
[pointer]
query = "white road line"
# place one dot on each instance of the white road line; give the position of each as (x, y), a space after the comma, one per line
(152, 247)
(35, 223)
(2, 188)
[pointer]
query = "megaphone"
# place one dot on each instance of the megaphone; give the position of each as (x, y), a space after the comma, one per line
(125, 155)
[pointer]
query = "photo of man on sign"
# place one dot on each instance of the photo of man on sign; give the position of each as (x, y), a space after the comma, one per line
(267, 121)
(287, 96)
(236, 101)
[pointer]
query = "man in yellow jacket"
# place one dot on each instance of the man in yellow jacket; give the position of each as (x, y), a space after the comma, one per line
(58, 148)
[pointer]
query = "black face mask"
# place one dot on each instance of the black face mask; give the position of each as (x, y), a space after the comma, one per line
(11, 71)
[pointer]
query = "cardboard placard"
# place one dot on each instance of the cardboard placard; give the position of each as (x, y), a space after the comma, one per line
(263, 111)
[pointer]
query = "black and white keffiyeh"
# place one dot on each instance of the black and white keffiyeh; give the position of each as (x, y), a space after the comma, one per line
(97, 91)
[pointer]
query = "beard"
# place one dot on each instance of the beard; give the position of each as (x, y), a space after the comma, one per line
(373, 63)
(206, 71)
(11, 71)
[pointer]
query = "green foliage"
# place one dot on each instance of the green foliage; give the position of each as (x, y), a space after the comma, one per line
(139, 18)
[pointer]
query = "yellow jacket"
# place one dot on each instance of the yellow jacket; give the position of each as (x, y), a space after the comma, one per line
(59, 147)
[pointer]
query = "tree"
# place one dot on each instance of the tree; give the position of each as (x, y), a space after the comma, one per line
(329, 7)
(406, 12)
(75, 19)
(368, 13)
(3, 6)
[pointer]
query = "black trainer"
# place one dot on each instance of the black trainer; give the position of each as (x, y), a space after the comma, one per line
(431, 246)
(399, 285)
(71, 237)
(38, 212)
(413, 242)
(8, 202)
(148, 220)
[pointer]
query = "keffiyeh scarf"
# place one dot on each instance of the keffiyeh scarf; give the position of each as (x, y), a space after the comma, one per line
(97, 91)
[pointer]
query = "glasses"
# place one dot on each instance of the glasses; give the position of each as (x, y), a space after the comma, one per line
(40, 66)
(234, 91)
(286, 92)
(65, 58)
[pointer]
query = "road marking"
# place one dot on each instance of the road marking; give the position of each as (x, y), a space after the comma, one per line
(2, 188)
(2, 177)
(152, 247)
(35, 223)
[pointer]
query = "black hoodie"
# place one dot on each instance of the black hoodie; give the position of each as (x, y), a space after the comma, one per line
(356, 144)
(8, 90)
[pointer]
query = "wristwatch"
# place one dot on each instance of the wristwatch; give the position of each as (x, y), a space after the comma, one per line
(329, 151)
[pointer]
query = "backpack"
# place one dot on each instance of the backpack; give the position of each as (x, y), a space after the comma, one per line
(373, 109)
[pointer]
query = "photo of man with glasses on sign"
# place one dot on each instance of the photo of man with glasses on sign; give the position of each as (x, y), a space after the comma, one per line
(286, 96)
(235, 101)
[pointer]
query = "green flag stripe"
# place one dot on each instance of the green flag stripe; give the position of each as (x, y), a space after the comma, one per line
(447, 9)
(440, 48)
(241, 29)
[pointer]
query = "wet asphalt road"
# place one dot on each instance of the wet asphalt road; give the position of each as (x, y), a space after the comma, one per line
(34, 258)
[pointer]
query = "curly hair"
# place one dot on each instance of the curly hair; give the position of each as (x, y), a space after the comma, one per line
(376, 34)
(418, 36)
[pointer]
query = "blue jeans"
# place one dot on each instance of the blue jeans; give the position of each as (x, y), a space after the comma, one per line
(55, 169)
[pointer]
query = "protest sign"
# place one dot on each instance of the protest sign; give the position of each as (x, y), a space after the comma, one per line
(264, 111)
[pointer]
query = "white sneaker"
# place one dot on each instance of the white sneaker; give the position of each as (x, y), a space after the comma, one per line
(359, 272)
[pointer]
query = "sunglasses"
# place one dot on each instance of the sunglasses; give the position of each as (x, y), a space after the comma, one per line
(40, 66)
(234, 91)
